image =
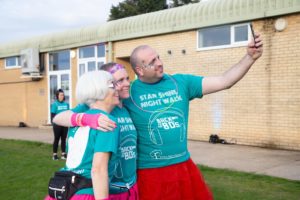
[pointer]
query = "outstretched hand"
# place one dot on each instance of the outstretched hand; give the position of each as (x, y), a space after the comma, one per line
(105, 124)
(255, 49)
(96, 121)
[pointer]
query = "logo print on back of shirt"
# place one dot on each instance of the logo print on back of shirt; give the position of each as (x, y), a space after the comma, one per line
(77, 146)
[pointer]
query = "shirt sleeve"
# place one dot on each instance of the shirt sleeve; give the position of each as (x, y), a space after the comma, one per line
(192, 84)
(80, 108)
(107, 141)
(53, 108)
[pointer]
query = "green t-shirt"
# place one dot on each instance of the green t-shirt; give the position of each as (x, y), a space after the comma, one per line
(58, 107)
(125, 172)
(83, 142)
(160, 114)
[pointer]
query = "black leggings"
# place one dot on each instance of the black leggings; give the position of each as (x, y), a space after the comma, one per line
(60, 132)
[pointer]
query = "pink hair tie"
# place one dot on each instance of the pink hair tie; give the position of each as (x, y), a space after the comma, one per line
(115, 68)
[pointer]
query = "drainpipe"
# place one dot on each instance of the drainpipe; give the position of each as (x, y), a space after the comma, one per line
(110, 52)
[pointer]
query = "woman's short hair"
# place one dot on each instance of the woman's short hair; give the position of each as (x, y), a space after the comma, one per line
(92, 86)
(57, 93)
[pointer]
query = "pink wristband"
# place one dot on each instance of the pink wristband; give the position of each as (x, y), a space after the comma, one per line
(74, 119)
(90, 120)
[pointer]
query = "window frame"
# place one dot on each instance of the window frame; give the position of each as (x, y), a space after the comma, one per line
(232, 37)
(18, 63)
(95, 59)
(67, 52)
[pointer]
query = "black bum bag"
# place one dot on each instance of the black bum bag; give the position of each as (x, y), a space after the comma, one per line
(64, 184)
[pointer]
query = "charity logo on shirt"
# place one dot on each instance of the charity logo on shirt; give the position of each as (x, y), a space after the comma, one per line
(125, 124)
(62, 107)
(159, 99)
(128, 140)
(160, 113)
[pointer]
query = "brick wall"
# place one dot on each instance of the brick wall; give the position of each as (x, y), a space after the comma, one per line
(263, 109)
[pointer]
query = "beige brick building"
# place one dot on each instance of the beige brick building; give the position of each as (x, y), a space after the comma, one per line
(263, 109)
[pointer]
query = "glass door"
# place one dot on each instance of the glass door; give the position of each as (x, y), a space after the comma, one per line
(59, 81)
(59, 76)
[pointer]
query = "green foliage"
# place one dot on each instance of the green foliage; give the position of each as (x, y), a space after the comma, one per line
(124, 9)
(177, 3)
(136, 7)
(27, 166)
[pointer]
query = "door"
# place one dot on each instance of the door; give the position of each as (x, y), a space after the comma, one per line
(59, 76)
(59, 80)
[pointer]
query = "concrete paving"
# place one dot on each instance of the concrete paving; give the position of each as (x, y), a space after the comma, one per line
(278, 163)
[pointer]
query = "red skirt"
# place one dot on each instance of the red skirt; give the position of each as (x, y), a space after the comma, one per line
(174, 182)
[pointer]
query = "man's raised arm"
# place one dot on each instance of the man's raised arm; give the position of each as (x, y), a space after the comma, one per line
(235, 73)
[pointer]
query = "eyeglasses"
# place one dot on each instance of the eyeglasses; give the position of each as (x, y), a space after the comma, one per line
(121, 81)
(112, 86)
(152, 64)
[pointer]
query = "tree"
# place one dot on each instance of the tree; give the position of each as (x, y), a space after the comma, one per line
(177, 3)
(136, 7)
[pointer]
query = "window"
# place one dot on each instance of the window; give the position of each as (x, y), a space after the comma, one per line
(91, 58)
(100, 51)
(223, 36)
(59, 60)
(12, 62)
(86, 52)
(91, 66)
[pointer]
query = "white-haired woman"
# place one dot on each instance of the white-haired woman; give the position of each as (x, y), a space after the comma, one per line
(123, 184)
(91, 152)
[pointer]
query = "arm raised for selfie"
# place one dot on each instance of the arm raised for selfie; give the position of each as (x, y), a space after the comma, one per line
(236, 72)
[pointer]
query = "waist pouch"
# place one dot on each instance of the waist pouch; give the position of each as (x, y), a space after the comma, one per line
(64, 184)
(119, 187)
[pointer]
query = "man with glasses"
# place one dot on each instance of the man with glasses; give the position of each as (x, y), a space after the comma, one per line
(159, 108)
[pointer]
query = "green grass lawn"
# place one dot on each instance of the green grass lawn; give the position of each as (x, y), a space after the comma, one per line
(27, 166)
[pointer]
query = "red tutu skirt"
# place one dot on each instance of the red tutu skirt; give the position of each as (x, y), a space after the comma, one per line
(174, 182)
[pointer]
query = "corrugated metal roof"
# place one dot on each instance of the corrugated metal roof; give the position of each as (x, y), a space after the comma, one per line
(192, 16)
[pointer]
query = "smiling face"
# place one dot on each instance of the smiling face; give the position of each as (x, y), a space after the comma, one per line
(112, 96)
(61, 96)
(122, 83)
(150, 67)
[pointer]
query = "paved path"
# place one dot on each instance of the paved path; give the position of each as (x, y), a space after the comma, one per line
(279, 163)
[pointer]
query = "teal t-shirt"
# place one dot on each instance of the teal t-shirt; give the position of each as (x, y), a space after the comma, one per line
(83, 142)
(160, 114)
(126, 169)
(57, 107)
(125, 172)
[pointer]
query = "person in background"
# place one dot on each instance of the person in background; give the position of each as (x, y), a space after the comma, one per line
(123, 183)
(60, 132)
(91, 152)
